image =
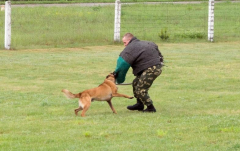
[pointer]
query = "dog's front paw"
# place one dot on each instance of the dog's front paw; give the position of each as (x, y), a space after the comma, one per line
(131, 97)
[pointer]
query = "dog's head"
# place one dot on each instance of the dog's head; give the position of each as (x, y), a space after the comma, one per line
(111, 77)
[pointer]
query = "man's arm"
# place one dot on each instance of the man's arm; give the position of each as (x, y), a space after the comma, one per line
(121, 70)
(160, 54)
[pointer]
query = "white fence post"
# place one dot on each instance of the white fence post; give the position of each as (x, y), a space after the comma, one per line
(117, 20)
(211, 20)
(7, 24)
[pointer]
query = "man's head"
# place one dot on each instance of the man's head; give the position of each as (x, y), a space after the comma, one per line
(127, 38)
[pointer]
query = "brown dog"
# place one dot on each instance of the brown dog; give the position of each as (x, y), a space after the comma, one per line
(104, 92)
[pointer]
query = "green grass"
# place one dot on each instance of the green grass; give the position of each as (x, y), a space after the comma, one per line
(196, 97)
(56, 27)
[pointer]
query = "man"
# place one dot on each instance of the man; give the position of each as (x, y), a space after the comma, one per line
(146, 61)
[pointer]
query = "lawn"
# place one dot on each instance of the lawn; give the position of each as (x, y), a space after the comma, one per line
(196, 97)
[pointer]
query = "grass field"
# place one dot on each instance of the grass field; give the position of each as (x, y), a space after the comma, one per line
(196, 97)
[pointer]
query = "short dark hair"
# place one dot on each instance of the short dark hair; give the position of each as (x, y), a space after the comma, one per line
(128, 36)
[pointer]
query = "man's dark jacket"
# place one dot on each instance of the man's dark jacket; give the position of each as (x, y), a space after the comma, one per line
(140, 55)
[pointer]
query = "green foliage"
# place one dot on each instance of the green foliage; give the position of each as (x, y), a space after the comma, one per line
(164, 35)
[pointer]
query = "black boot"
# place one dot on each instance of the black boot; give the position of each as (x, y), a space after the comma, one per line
(150, 108)
(138, 106)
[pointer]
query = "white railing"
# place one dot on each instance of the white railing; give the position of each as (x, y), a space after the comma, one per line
(211, 20)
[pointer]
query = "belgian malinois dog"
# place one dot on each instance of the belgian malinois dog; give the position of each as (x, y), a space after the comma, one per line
(104, 92)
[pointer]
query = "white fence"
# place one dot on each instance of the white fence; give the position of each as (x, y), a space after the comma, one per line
(148, 21)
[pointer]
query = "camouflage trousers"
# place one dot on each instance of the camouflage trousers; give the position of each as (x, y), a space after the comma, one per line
(143, 82)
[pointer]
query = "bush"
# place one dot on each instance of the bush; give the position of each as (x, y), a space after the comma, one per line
(164, 35)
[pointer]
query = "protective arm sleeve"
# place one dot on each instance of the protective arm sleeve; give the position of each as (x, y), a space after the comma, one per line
(121, 69)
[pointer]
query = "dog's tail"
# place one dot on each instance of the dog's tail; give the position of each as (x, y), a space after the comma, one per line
(70, 95)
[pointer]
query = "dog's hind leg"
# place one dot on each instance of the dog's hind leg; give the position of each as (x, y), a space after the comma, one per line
(86, 107)
(81, 106)
(85, 103)
(111, 106)
(77, 110)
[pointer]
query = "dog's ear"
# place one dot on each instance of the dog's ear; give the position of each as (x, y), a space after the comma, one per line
(109, 75)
